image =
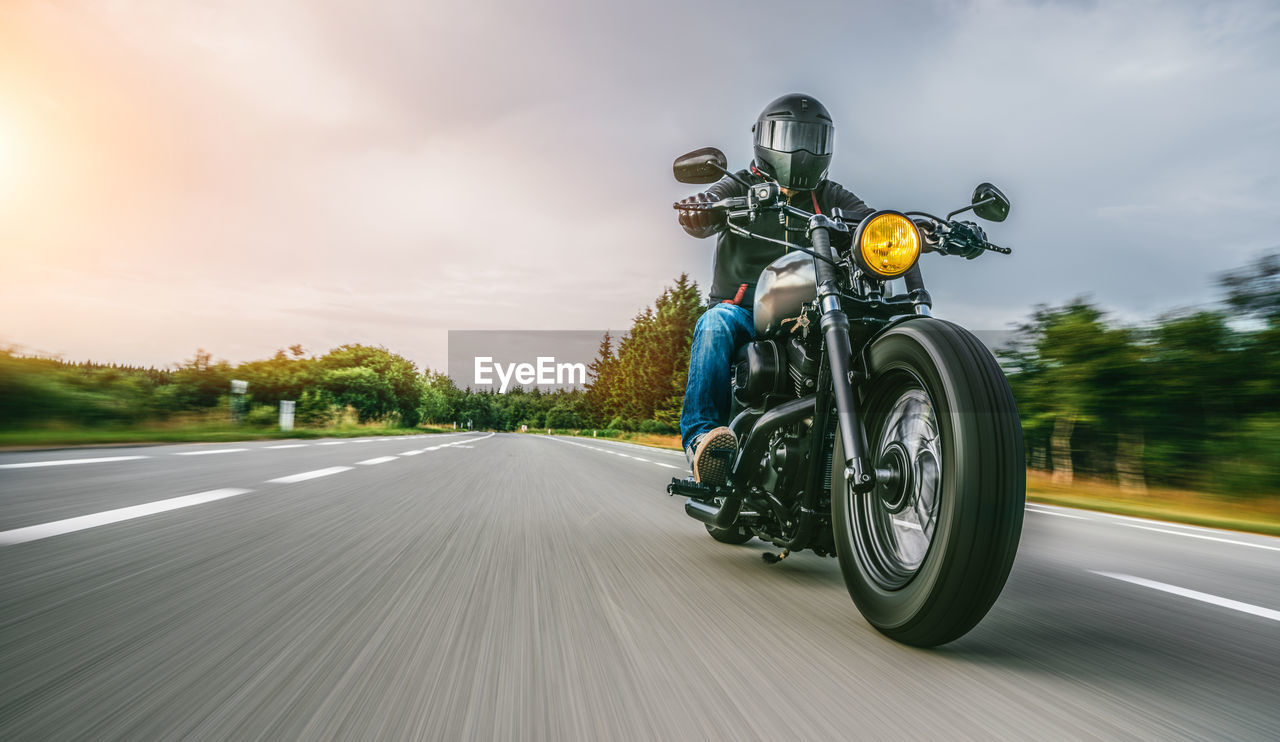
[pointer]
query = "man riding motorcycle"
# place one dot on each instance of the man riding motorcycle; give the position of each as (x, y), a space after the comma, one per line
(794, 144)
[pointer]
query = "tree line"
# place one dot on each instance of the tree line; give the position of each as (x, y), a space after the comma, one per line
(1189, 399)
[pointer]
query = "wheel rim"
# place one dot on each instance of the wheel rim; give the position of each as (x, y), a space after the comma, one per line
(896, 521)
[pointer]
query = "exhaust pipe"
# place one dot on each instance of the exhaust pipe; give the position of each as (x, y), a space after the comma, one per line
(787, 413)
(721, 517)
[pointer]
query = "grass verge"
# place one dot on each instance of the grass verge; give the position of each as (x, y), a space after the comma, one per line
(1260, 514)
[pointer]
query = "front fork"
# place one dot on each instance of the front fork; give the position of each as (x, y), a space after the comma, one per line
(859, 473)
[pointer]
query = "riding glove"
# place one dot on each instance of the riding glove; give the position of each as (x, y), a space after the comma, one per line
(700, 221)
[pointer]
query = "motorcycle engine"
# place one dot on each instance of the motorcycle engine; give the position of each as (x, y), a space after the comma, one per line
(788, 449)
(759, 370)
(785, 366)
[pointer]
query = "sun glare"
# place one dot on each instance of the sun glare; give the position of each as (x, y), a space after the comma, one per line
(11, 162)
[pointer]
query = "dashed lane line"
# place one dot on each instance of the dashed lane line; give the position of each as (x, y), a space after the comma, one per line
(290, 445)
(68, 462)
(79, 523)
(459, 442)
(624, 444)
(58, 527)
(314, 474)
(211, 451)
(613, 453)
(1183, 592)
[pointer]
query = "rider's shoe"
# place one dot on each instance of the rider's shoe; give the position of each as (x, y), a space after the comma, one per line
(712, 455)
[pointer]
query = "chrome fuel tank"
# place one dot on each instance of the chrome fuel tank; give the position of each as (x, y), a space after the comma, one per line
(784, 286)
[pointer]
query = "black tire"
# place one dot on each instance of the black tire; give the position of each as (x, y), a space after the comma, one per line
(736, 535)
(963, 486)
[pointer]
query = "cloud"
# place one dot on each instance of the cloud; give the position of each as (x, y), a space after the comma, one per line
(246, 176)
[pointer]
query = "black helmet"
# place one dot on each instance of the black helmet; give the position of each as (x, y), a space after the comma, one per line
(794, 141)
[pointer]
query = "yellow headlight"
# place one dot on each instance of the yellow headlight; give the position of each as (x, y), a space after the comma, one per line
(888, 244)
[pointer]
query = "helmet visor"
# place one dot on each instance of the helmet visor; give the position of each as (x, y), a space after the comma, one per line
(792, 136)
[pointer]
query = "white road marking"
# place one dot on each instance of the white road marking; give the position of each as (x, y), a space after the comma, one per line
(416, 452)
(1154, 522)
(647, 449)
(1201, 536)
(379, 460)
(1234, 605)
(58, 527)
(206, 453)
(331, 443)
(304, 476)
(456, 443)
(291, 445)
(67, 462)
(616, 453)
(1031, 509)
(1158, 526)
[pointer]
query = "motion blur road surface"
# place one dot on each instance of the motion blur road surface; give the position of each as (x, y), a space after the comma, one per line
(480, 586)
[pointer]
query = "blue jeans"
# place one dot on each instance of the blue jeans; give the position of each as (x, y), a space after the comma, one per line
(717, 335)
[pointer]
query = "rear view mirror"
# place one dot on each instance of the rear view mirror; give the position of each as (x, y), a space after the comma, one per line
(700, 166)
(989, 203)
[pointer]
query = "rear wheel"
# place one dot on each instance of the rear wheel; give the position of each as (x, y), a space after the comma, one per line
(926, 553)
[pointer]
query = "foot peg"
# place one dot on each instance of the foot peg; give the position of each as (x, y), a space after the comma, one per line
(697, 490)
(770, 558)
(702, 505)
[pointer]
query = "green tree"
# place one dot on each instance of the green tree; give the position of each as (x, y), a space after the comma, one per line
(1074, 376)
(392, 385)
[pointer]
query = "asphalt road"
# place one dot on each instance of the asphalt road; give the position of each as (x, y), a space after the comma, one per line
(526, 587)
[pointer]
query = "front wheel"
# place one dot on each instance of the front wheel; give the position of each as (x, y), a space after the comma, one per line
(926, 553)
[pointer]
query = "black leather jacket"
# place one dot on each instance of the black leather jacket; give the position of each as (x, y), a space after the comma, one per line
(739, 260)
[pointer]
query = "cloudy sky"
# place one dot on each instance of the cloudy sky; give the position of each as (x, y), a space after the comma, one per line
(243, 176)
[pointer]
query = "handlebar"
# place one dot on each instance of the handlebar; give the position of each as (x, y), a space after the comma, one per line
(732, 203)
(956, 232)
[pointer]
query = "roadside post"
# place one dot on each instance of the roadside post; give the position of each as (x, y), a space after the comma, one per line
(286, 414)
(238, 389)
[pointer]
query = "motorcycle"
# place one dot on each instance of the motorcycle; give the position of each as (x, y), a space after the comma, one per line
(869, 429)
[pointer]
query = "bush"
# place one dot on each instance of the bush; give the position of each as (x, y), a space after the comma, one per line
(1245, 464)
(262, 416)
(564, 416)
(621, 423)
(653, 426)
(315, 409)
